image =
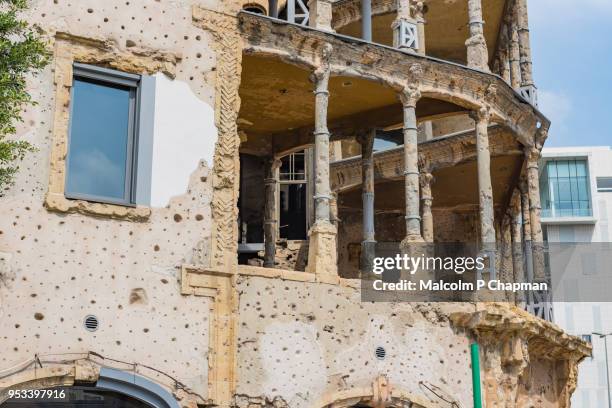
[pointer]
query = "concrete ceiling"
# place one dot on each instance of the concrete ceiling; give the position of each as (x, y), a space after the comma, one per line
(277, 98)
(446, 28)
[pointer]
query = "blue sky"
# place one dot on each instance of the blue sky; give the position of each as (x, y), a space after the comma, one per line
(572, 61)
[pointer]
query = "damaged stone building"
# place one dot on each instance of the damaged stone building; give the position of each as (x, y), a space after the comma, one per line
(211, 175)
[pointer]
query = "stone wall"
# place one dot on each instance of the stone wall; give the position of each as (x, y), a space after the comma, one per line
(62, 266)
(300, 342)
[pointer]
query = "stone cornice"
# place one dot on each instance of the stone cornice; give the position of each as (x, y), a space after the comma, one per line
(497, 322)
(434, 154)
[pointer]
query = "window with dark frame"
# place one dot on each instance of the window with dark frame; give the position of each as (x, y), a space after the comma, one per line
(102, 143)
(604, 184)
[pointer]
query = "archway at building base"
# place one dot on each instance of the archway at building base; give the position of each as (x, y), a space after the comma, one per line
(381, 394)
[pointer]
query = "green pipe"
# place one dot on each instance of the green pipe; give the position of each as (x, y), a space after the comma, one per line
(475, 353)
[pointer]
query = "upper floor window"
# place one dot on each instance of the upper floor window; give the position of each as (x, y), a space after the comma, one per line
(564, 189)
(293, 193)
(103, 135)
(604, 184)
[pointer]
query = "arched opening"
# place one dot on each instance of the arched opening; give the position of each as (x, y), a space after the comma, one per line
(77, 396)
(112, 389)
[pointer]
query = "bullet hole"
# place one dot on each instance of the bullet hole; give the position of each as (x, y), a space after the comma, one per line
(145, 330)
(156, 248)
(130, 43)
(138, 296)
(199, 217)
(17, 326)
(118, 342)
(39, 316)
(164, 281)
(89, 10)
(198, 37)
(178, 218)
(33, 295)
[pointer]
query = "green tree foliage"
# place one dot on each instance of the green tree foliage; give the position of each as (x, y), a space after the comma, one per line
(22, 53)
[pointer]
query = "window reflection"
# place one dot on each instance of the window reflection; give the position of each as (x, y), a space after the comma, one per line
(99, 140)
(564, 189)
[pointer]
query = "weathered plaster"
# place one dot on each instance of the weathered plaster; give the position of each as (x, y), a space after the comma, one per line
(185, 133)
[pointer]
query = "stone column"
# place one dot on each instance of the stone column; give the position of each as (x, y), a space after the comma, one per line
(270, 221)
(419, 9)
(273, 8)
(525, 216)
(485, 190)
(322, 242)
(514, 55)
(320, 14)
(522, 20)
(517, 250)
(532, 156)
(368, 245)
(366, 20)
(405, 30)
(503, 53)
(477, 53)
(427, 226)
(409, 98)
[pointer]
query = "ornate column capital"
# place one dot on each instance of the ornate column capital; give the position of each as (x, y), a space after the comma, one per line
(409, 96)
(481, 114)
(418, 10)
(322, 71)
(532, 156)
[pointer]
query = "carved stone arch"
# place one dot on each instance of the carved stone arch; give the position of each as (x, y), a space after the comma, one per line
(381, 394)
(90, 373)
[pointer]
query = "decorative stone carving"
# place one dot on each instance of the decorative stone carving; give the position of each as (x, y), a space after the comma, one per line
(226, 162)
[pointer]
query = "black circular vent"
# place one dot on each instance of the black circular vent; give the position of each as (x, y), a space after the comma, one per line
(91, 323)
(380, 353)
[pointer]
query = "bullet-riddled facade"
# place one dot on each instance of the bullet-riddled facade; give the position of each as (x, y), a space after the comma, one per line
(210, 176)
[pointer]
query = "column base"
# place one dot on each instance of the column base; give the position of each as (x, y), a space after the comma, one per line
(477, 53)
(322, 256)
(368, 252)
(408, 243)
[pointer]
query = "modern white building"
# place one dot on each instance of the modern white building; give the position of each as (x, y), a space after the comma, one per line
(576, 196)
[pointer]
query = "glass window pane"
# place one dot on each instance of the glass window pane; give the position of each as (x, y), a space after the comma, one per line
(583, 189)
(574, 187)
(552, 169)
(563, 168)
(99, 137)
(572, 168)
(565, 193)
(581, 168)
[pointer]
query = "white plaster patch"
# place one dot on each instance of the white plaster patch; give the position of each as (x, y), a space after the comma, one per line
(293, 361)
(184, 134)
